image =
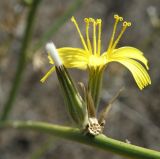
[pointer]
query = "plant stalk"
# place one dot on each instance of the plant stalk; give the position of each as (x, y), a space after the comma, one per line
(21, 62)
(74, 134)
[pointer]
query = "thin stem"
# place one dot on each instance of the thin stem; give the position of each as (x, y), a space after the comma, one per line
(21, 62)
(74, 134)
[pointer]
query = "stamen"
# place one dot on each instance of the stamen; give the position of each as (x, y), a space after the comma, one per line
(125, 25)
(117, 19)
(80, 34)
(94, 35)
(99, 22)
(87, 35)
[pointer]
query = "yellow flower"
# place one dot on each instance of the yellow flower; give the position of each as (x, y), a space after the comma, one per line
(90, 57)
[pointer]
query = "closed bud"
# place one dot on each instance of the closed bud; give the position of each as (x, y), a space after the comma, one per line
(76, 106)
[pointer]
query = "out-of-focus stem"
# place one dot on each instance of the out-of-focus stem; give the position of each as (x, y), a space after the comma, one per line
(57, 24)
(21, 62)
(23, 52)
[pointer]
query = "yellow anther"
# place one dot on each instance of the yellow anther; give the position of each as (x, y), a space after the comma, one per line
(129, 24)
(117, 17)
(120, 18)
(86, 20)
(91, 20)
(73, 19)
(126, 24)
(98, 21)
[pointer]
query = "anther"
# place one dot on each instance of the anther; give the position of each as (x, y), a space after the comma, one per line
(120, 18)
(126, 24)
(72, 19)
(98, 21)
(86, 20)
(129, 23)
(91, 20)
(117, 17)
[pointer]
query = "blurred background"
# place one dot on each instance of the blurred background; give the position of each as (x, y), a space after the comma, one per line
(135, 114)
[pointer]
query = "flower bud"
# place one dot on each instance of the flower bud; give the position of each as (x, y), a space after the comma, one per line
(76, 106)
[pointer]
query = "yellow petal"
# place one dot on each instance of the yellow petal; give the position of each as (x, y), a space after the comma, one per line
(74, 57)
(129, 52)
(47, 74)
(71, 57)
(139, 73)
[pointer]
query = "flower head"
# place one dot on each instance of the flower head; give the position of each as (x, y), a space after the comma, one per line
(90, 56)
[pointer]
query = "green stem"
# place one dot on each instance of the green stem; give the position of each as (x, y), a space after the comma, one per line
(74, 134)
(21, 62)
(95, 84)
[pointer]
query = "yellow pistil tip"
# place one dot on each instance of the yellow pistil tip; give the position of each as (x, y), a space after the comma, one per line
(120, 18)
(91, 20)
(72, 18)
(126, 24)
(98, 21)
(117, 17)
(86, 20)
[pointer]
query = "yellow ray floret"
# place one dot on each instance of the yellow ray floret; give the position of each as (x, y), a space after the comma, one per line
(89, 55)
